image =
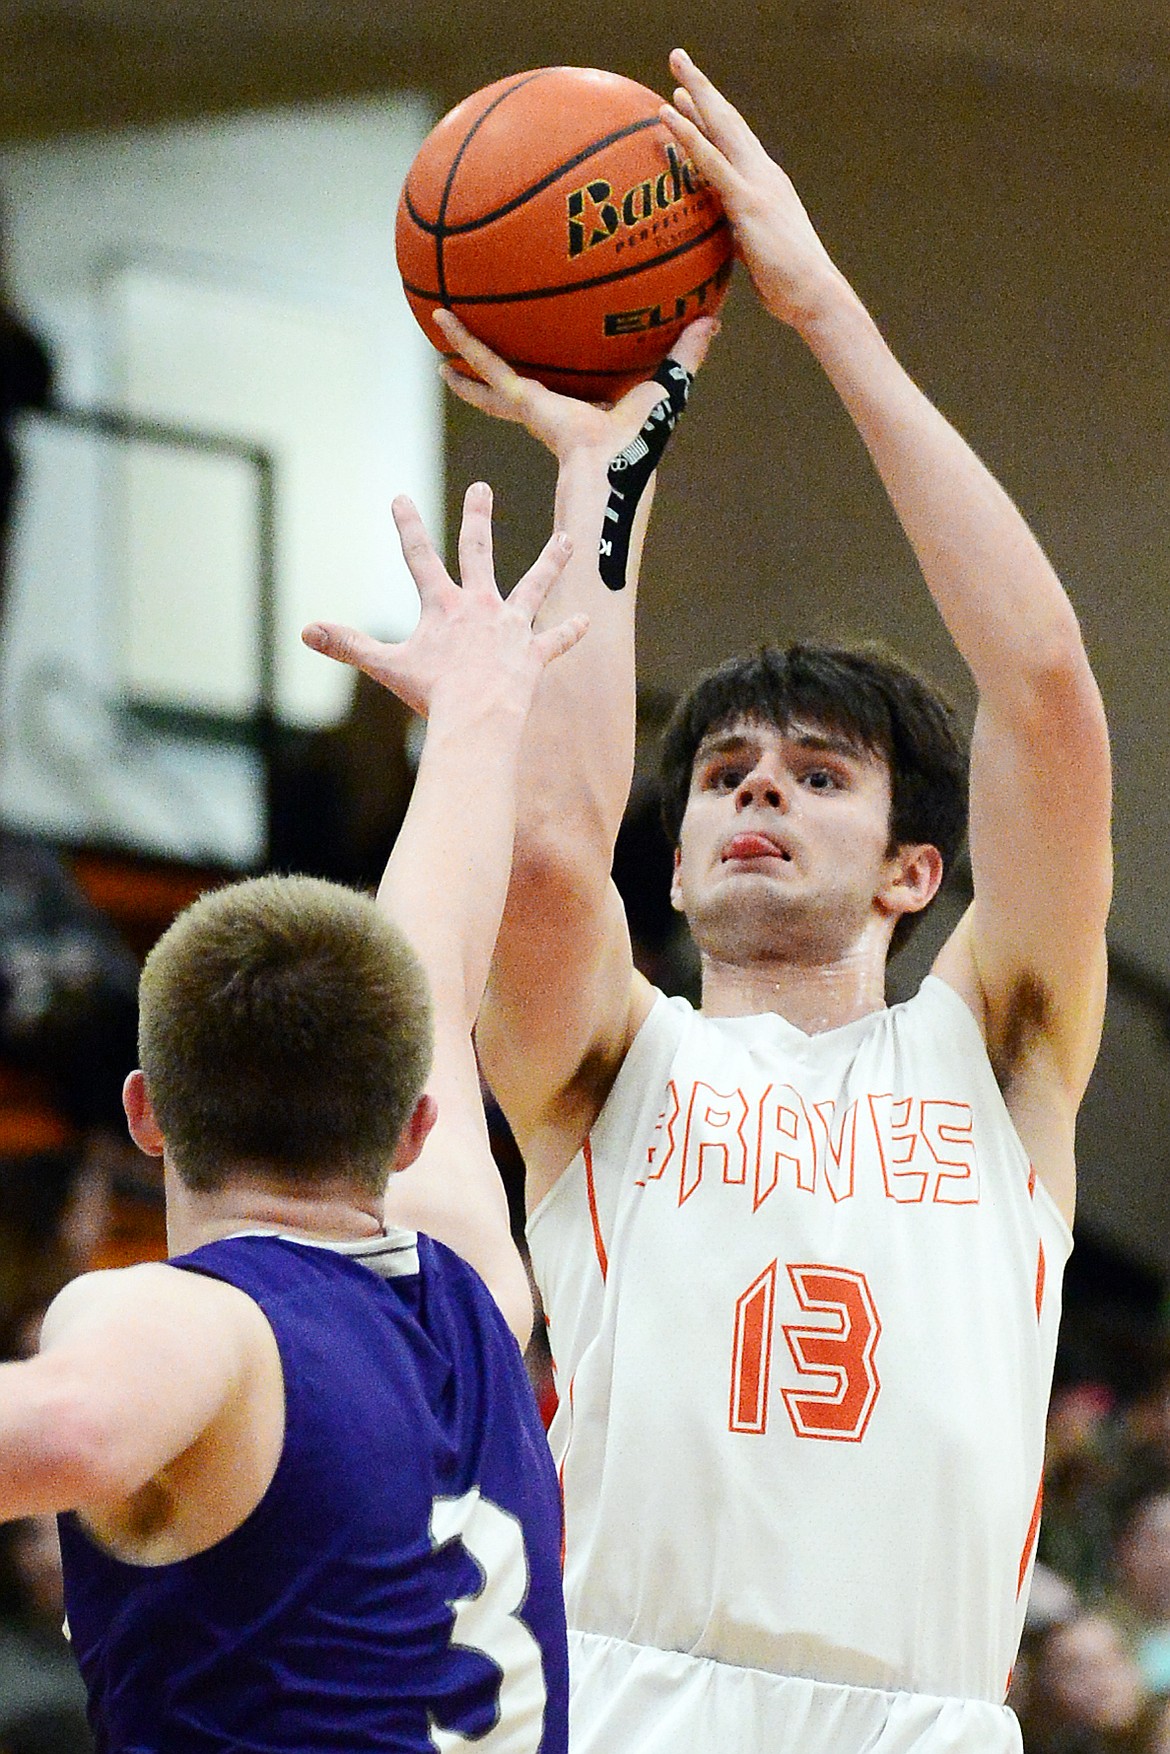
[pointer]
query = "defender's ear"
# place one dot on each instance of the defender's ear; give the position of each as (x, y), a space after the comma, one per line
(915, 873)
(140, 1116)
(415, 1133)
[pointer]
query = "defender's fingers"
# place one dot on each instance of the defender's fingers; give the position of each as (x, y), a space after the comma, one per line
(475, 541)
(554, 642)
(418, 551)
(348, 646)
(531, 590)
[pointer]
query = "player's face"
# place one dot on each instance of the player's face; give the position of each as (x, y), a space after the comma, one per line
(784, 846)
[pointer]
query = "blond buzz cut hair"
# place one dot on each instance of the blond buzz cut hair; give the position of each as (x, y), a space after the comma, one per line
(284, 1031)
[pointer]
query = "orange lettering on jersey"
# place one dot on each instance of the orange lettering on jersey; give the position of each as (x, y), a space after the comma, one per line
(751, 1355)
(947, 1130)
(840, 1354)
(709, 1112)
(897, 1141)
(1041, 1274)
(922, 1149)
(784, 1142)
(838, 1153)
(662, 1141)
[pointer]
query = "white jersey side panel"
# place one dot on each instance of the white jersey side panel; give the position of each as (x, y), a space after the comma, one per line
(803, 1295)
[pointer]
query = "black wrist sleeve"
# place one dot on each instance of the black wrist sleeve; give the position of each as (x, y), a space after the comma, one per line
(632, 468)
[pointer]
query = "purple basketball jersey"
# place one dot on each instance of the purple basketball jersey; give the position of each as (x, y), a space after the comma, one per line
(398, 1586)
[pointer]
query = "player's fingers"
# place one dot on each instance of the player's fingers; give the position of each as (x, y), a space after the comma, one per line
(418, 551)
(718, 118)
(476, 568)
(491, 368)
(639, 403)
(684, 103)
(554, 642)
(714, 164)
(480, 396)
(531, 591)
(690, 350)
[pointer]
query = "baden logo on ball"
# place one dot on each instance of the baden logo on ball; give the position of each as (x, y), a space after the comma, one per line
(555, 214)
(645, 203)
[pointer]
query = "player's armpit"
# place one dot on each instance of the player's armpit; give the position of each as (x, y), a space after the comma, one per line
(1042, 1042)
(559, 1016)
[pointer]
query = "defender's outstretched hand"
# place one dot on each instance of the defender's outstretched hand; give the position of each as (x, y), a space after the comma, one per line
(468, 637)
(789, 266)
(562, 423)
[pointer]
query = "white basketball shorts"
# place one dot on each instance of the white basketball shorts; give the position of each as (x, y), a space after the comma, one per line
(632, 1699)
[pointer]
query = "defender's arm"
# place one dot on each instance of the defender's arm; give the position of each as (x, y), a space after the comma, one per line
(471, 666)
(135, 1365)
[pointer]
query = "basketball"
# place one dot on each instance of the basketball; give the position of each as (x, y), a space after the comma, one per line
(557, 217)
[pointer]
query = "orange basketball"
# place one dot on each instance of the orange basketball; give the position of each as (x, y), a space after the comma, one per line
(555, 214)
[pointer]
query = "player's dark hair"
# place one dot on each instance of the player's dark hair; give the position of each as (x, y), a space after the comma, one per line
(862, 694)
(284, 1031)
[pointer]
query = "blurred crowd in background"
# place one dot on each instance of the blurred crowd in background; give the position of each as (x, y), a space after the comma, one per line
(1093, 1675)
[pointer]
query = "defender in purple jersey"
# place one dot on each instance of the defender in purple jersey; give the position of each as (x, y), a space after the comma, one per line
(415, 1491)
(309, 1504)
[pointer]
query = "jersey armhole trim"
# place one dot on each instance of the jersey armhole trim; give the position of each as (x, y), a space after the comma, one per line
(591, 1195)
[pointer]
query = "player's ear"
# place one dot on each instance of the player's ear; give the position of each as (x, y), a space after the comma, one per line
(140, 1116)
(415, 1133)
(914, 875)
(676, 900)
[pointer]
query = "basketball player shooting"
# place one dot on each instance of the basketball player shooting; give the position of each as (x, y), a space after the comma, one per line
(313, 1504)
(801, 1253)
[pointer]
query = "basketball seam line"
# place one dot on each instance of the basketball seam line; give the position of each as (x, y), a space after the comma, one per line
(500, 298)
(561, 371)
(518, 85)
(438, 228)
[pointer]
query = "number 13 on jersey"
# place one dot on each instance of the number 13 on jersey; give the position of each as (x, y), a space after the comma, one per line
(833, 1357)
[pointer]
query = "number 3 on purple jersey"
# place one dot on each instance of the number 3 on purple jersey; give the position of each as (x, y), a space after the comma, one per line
(488, 1622)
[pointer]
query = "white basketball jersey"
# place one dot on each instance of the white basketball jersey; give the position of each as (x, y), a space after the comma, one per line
(803, 1295)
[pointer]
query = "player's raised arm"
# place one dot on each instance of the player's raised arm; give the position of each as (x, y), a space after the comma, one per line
(564, 1002)
(471, 666)
(1030, 955)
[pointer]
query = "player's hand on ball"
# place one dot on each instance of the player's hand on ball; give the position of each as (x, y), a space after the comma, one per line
(469, 640)
(562, 423)
(775, 239)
